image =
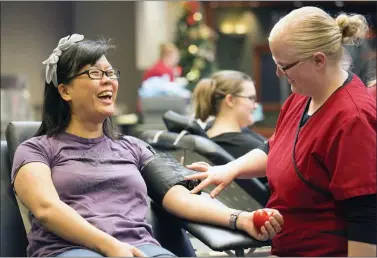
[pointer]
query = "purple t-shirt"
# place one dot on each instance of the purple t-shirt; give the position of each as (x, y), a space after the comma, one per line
(99, 178)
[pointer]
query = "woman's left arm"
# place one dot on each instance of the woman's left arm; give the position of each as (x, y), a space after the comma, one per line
(180, 202)
(362, 225)
(360, 249)
(352, 162)
(165, 180)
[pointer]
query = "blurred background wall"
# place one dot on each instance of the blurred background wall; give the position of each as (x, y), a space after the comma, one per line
(31, 30)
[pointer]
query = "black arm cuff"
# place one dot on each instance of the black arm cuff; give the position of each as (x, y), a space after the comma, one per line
(264, 147)
(161, 172)
(361, 214)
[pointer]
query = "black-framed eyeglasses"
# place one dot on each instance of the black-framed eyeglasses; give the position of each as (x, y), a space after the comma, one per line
(289, 66)
(97, 74)
(251, 98)
(285, 68)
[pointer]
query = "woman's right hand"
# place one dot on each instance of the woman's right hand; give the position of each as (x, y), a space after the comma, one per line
(120, 249)
(221, 176)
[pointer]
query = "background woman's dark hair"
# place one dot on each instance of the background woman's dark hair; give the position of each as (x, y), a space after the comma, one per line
(56, 113)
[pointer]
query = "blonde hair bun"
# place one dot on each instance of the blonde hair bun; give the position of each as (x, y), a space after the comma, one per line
(353, 27)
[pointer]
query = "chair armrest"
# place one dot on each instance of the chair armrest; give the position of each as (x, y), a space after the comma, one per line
(219, 238)
(215, 237)
(222, 239)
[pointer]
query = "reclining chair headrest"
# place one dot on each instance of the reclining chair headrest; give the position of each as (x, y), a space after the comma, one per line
(18, 132)
(176, 123)
(165, 141)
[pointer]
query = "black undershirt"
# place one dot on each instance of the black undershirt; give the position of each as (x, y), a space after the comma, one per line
(237, 144)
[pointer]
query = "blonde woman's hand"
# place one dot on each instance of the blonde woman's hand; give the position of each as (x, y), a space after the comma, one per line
(221, 176)
(270, 228)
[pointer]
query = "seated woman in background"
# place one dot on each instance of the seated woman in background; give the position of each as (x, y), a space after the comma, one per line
(166, 64)
(230, 97)
(85, 185)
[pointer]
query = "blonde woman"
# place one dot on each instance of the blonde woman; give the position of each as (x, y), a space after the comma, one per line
(230, 97)
(321, 160)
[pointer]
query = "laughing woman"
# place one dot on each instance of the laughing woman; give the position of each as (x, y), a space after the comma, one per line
(85, 185)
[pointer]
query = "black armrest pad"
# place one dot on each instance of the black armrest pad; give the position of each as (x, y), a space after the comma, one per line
(222, 239)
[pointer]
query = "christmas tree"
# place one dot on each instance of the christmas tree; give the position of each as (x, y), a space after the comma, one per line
(196, 42)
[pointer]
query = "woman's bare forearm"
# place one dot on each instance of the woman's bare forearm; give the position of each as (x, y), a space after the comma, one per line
(180, 202)
(250, 165)
(360, 249)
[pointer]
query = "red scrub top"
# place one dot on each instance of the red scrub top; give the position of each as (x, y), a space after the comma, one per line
(372, 91)
(335, 150)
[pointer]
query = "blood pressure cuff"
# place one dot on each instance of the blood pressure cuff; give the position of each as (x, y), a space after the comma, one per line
(161, 172)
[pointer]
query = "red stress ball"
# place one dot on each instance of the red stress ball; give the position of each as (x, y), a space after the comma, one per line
(260, 218)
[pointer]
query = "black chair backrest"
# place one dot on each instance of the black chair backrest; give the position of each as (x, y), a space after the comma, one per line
(177, 123)
(18, 132)
(13, 235)
(165, 229)
(164, 140)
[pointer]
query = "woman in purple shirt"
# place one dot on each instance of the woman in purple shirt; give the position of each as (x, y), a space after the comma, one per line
(86, 185)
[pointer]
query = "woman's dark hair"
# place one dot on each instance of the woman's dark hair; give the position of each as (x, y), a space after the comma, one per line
(56, 113)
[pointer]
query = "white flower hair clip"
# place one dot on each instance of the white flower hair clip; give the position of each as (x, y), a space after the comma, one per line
(52, 61)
